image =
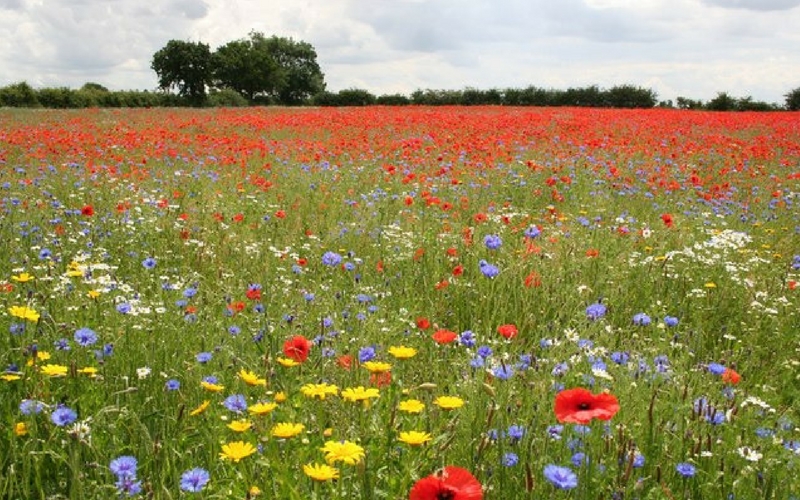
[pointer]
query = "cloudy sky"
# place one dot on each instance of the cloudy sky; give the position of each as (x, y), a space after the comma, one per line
(690, 48)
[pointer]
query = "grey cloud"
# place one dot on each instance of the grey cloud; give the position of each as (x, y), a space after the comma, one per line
(764, 5)
(191, 9)
(11, 4)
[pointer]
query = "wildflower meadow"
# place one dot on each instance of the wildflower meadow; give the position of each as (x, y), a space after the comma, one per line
(384, 303)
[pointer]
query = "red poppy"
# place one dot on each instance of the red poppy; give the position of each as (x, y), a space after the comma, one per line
(297, 348)
(458, 270)
(87, 210)
(508, 331)
(667, 219)
(423, 323)
(444, 336)
(280, 214)
(731, 376)
(380, 379)
(253, 293)
(345, 361)
(452, 483)
(580, 406)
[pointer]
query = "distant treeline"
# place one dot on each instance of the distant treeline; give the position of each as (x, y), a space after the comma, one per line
(22, 95)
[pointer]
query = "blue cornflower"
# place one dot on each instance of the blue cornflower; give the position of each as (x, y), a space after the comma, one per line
(189, 292)
(62, 345)
(532, 232)
(716, 368)
(686, 469)
(641, 319)
(123, 308)
(172, 385)
(488, 270)
(560, 369)
(503, 372)
(45, 253)
(63, 415)
(128, 485)
(595, 311)
(579, 459)
(638, 461)
(793, 446)
(484, 351)
(363, 298)
(234, 330)
(620, 357)
(30, 406)
(85, 337)
(16, 328)
(467, 338)
(124, 466)
(331, 259)
(561, 477)
(510, 459)
(661, 363)
(194, 480)
(716, 417)
(764, 432)
(149, 263)
(235, 403)
(670, 321)
(492, 241)
(477, 362)
(554, 431)
(515, 432)
(204, 357)
(366, 354)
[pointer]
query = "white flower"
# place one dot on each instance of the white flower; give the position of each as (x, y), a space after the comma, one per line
(143, 372)
(749, 454)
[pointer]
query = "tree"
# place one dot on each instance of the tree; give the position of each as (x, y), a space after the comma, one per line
(246, 68)
(723, 102)
(301, 76)
(185, 65)
(793, 100)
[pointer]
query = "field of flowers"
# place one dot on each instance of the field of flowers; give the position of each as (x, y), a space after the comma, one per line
(423, 303)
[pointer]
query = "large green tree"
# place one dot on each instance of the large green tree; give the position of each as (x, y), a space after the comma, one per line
(247, 68)
(185, 66)
(793, 100)
(277, 68)
(301, 74)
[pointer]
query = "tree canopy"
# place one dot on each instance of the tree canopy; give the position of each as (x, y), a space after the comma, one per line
(273, 69)
(185, 66)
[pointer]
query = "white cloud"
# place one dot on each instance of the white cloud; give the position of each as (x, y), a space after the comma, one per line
(692, 48)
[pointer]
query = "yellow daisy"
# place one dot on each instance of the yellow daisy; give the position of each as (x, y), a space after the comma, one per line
(20, 429)
(448, 402)
(280, 397)
(262, 408)
(286, 430)
(236, 451)
(89, 370)
(54, 370)
(24, 312)
(402, 352)
(251, 378)
(93, 294)
(200, 409)
(212, 387)
(343, 451)
(22, 278)
(321, 472)
(414, 438)
(360, 393)
(287, 362)
(10, 377)
(411, 406)
(240, 425)
(320, 391)
(377, 366)
(40, 356)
